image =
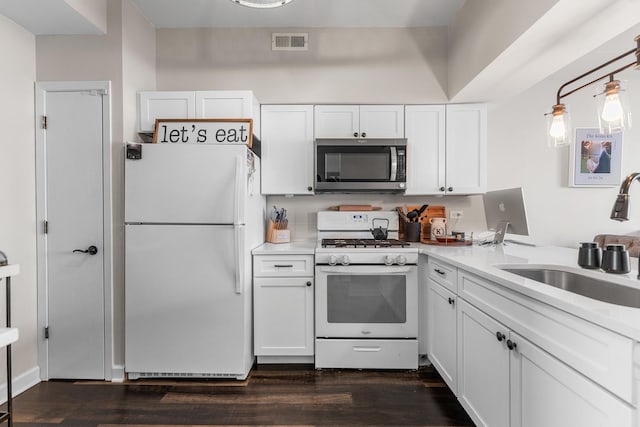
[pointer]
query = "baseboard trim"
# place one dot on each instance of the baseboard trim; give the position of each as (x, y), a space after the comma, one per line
(21, 383)
(117, 373)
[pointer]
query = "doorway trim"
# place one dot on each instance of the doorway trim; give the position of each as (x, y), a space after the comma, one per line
(41, 89)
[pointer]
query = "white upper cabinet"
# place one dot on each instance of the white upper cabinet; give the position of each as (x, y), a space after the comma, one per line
(466, 158)
(213, 104)
(359, 121)
(228, 104)
(287, 149)
(164, 105)
(425, 133)
(446, 149)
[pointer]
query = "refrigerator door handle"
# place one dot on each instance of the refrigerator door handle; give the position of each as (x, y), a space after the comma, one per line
(238, 232)
(239, 190)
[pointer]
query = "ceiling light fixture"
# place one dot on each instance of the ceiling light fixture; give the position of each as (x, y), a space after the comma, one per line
(262, 4)
(613, 111)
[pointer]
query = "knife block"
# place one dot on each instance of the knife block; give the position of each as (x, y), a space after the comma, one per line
(275, 235)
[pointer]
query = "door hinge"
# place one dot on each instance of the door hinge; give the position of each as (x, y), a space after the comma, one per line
(45, 226)
(46, 333)
(44, 122)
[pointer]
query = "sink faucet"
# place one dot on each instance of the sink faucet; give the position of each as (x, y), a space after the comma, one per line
(620, 211)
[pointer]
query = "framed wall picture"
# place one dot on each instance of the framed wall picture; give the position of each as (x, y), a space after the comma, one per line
(595, 159)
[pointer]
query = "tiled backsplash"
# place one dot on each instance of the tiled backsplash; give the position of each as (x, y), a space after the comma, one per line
(301, 210)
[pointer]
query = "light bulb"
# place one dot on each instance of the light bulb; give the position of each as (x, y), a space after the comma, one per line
(612, 110)
(557, 129)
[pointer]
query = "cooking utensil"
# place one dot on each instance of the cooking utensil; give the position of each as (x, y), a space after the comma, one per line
(402, 214)
(379, 233)
(414, 215)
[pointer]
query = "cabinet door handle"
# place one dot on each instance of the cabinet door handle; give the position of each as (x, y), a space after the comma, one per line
(440, 272)
(309, 283)
(442, 188)
(309, 188)
(450, 189)
(364, 134)
(283, 265)
(451, 301)
(511, 345)
(500, 336)
(355, 134)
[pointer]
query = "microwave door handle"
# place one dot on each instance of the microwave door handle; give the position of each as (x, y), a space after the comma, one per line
(394, 163)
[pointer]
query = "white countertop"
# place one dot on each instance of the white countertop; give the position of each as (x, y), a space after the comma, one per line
(298, 247)
(482, 261)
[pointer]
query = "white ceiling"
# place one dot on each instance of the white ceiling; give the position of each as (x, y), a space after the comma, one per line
(300, 13)
(42, 17)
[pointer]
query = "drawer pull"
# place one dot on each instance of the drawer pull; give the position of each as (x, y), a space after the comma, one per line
(511, 345)
(500, 336)
(283, 265)
(451, 301)
(309, 283)
(367, 349)
(442, 273)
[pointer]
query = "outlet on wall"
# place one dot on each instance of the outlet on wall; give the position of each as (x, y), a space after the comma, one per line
(455, 214)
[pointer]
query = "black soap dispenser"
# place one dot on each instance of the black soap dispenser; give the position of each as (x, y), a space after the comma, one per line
(589, 255)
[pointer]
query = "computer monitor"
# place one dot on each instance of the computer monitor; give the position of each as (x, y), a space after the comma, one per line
(505, 212)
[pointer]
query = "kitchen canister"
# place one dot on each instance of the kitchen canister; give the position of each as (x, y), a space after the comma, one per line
(615, 259)
(589, 255)
(438, 227)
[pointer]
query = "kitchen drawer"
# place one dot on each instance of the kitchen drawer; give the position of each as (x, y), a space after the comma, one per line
(601, 355)
(283, 265)
(443, 273)
(366, 354)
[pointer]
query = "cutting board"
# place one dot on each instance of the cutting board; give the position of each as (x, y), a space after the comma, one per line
(354, 208)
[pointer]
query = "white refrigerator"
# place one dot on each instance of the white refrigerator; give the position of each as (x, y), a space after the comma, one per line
(193, 213)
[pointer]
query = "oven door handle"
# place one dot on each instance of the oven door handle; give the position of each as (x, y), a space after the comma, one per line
(370, 269)
(394, 164)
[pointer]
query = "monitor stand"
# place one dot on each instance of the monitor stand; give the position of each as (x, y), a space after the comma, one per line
(501, 230)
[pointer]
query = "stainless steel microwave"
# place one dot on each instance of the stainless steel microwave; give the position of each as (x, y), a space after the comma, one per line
(356, 165)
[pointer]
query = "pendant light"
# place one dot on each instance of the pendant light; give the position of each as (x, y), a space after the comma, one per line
(614, 114)
(613, 110)
(262, 4)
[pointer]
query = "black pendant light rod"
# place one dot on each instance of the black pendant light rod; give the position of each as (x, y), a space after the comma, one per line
(599, 67)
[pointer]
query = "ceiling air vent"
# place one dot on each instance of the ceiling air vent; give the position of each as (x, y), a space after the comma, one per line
(290, 41)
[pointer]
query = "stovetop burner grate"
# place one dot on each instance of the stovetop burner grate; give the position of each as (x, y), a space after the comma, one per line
(363, 243)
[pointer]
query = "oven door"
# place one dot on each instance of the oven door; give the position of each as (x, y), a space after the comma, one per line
(366, 301)
(368, 165)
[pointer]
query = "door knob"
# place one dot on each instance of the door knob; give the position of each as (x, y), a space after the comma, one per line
(91, 250)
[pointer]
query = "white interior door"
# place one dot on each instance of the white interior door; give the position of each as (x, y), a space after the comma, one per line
(72, 247)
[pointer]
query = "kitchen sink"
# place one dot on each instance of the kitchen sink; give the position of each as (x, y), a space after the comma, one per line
(581, 284)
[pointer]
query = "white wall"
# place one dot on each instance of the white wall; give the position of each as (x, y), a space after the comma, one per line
(17, 173)
(342, 65)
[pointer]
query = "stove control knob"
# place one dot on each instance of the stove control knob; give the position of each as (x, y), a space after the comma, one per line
(333, 260)
(345, 260)
(388, 260)
(401, 260)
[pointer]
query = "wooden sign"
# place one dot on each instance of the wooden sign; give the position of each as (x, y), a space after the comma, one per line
(203, 131)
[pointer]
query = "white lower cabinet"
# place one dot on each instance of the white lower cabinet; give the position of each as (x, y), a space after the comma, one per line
(483, 367)
(522, 363)
(546, 392)
(283, 310)
(441, 323)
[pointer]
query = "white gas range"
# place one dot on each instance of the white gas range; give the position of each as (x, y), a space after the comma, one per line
(366, 301)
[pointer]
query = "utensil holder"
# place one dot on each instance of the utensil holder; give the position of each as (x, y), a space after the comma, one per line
(275, 235)
(412, 231)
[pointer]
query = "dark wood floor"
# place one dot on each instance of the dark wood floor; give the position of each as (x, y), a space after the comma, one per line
(272, 395)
